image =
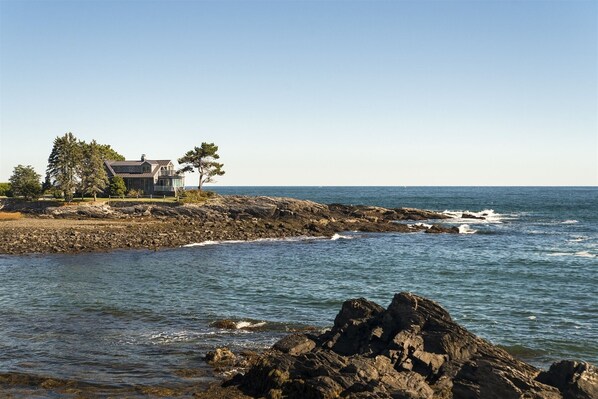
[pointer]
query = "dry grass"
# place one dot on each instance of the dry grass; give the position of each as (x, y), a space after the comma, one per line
(10, 215)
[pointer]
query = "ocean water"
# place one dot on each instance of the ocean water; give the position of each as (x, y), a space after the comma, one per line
(526, 279)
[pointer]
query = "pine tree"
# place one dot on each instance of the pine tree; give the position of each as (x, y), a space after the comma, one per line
(203, 159)
(93, 175)
(63, 164)
(25, 182)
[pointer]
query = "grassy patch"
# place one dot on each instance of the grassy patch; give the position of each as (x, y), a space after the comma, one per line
(196, 196)
(10, 216)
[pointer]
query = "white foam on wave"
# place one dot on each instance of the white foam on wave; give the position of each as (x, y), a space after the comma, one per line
(427, 226)
(465, 229)
(580, 254)
(585, 254)
(337, 236)
(166, 337)
(572, 221)
(488, 215)
(286, 239)
(247, 324)
(577, 239)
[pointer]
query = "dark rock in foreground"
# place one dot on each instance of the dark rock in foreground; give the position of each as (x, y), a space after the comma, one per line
(411, 350)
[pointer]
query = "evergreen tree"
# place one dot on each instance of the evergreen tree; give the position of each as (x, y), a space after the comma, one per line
(25, 182)
(117, 186)
(108, 154)
(63, 163)
(93, 175)
(203, 159)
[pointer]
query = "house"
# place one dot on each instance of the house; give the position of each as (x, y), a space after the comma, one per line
(150, 176)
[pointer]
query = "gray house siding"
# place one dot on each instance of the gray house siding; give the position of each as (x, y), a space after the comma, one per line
(149, 176)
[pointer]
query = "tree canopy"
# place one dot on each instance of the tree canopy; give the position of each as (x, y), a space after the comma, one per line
(204, 160)
(25, 182)
(93, 175)
(64, 162)
(117, 186)
(74, 163)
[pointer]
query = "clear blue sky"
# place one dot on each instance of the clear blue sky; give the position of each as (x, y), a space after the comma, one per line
(311, 93)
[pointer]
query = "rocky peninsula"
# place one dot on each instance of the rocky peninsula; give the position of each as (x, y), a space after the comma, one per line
(56, 227)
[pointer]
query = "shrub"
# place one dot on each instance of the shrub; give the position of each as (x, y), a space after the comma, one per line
(132, 193)
(117, 186)
(195, 196)
(5, 190)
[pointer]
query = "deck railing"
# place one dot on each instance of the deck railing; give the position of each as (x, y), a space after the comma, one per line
(172, 173)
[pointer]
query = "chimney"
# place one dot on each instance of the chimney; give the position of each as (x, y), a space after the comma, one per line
(142, 157)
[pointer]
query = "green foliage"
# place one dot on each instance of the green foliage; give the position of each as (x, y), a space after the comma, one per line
(93, 175)
(195, 196)
(133, 193)
(117, 186)
(203, 159)
(107, 153)
(63, 164)
(25, 182)
(5, 190)
(72, 160)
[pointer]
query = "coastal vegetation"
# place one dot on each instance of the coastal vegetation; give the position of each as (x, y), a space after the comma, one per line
(25, 182)
(76, 165)
(203, 159)
(93, 175)
(5, 190)
(117, 187)
(195, 196)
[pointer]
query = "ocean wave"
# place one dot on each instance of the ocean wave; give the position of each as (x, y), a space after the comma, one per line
(258, 240)
(167, 337)
(465, 229)
(580, 254)
(572, 221)
(337, 236)
(427, 226)
(578, 239)
(481, 217)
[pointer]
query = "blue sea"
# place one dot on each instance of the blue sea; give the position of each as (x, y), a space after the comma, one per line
(525, 279)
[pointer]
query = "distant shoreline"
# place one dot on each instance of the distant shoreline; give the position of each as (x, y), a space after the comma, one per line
(51, 227)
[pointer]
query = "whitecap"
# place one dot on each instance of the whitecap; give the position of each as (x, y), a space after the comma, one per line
(580, 254)
(258, 240)
(585, 254)
(337, 236)
(577, 239)
(483, 216)
(164, 337)
(427, 226)
(247, 324)
(572, 221)
(465, 229)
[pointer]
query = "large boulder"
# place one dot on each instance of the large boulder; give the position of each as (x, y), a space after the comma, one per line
(412, 349)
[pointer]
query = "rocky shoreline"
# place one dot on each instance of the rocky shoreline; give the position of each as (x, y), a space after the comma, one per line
(53, 227)
(410, 350)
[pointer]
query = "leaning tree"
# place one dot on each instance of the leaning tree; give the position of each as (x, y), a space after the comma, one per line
(204, 160)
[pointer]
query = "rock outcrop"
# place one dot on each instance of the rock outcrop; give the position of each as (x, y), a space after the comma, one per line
(411, 350)
(130, 224)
